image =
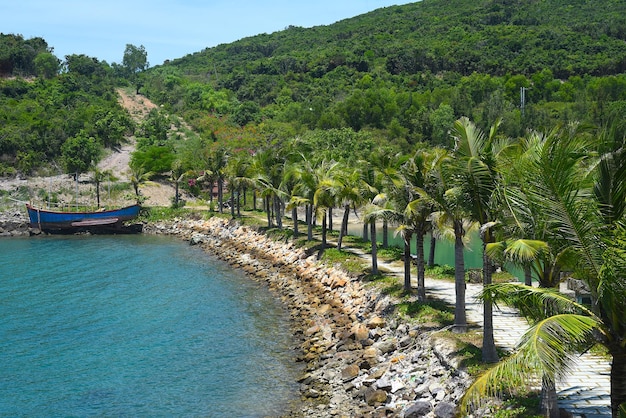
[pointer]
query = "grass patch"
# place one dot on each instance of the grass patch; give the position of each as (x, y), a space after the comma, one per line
(444, 272)
(432, 313)
(347, 261)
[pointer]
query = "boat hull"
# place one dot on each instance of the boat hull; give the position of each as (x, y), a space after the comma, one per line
(110, 221)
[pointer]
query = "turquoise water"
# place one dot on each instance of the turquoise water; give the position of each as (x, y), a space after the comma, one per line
(136, 326)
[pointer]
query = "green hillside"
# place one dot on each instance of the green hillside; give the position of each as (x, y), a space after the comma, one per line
(408, 71)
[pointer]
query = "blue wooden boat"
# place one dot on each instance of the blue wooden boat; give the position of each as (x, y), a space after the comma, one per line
(99, 221)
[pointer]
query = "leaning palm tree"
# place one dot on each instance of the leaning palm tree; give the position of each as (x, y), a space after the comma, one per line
(576, 203)
(138, 176)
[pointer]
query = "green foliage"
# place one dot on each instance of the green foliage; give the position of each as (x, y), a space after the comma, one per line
(79, 153)
(431, 312)
(154, 158)
(440, 272)
(407, 87)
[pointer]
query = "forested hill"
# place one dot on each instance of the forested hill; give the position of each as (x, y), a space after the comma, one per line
(569, 37)
(408, 71)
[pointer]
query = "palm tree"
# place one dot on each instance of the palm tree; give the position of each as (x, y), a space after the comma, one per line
(216, 164)
(452, 214)
(138, 176)
(478, 153)
(98, 177)
(582, 193)
(237, 173)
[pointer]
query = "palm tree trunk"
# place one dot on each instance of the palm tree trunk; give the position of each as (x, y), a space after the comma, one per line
(460, 318)
(220, 194)
(374, 247)
(294, 217)
(407, 262)
(330, 219)
(385, 233)
(344, 226)
(211, 196)
(490, 355)
(309, 222)
(232, 204)
(254, 200)
(365, 232)
(528, 278)
(549, 401)
(98, 193)
(618, 378)
(324, 227)
(278, 212)
(419, 249)
(238, 202)
(431, 252)
(269, 211)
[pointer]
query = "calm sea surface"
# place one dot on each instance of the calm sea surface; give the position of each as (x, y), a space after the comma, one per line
(136, 326)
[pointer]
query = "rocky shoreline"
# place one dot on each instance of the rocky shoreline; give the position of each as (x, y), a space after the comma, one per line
(359, 360)
(15, 224)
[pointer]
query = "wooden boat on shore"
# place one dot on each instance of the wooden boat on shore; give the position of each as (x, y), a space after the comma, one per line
(105, 221)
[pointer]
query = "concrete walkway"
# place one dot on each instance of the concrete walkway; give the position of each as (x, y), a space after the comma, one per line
(586, 391)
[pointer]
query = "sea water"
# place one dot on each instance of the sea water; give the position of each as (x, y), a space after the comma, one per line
(136, 326)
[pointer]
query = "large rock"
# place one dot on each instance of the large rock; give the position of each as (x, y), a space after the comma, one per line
(418, 409)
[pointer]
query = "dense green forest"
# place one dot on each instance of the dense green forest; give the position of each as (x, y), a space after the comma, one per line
(399, 75)
(406, 72)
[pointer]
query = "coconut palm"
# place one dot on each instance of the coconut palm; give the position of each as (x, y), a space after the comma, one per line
(98, 177)
(477, 155)
(572, 190)
(238, 175)
(216, 163)
(452, 214)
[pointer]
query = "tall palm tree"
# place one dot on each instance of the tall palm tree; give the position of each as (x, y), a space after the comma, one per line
(452, 212)
(571, 189)
(477, 154)
(238, 175)
(98, 177)
(216, 164)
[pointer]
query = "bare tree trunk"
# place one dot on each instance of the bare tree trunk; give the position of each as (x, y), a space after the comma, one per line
(220, 194)
(618, 378)
(431, 252)
(344, 226)
(419, 249)
(268, 208)
(324, 230)
(294, 217)
(309, 221)
(385, 233)
(549, 400)
(490, 355)
(278, 212)
(528, 278)
(460, 317)
(374, 247)
(407, 263)
(330, 219)
(232, 204)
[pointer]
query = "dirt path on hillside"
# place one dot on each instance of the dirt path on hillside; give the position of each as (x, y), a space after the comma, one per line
(116, 161)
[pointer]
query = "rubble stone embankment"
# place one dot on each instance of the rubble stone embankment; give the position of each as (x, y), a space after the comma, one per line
(358, 359)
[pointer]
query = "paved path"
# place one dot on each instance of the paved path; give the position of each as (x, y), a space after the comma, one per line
(586, 391)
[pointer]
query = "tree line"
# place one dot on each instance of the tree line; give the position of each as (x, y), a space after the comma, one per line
(549, 202)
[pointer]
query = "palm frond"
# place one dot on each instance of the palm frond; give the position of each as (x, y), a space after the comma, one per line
(533, 303)
(545, 351)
